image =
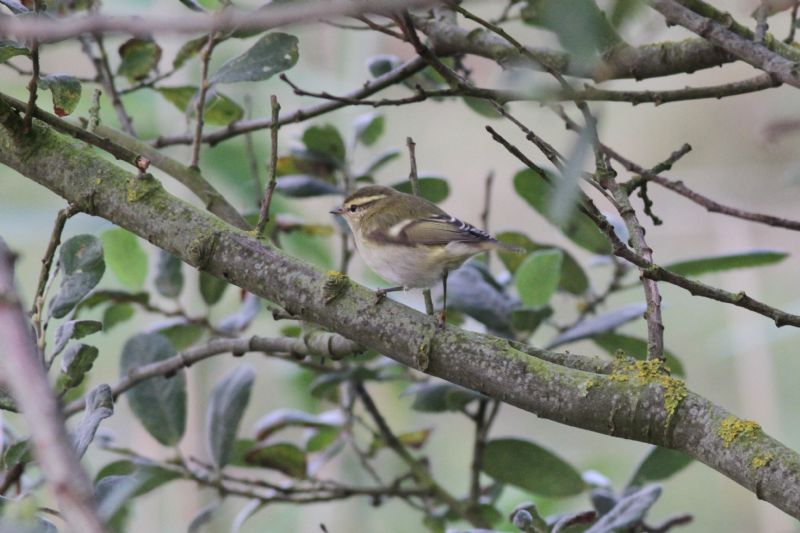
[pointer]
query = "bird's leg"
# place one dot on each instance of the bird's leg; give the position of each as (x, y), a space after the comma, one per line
(440, 320)
(380, 294)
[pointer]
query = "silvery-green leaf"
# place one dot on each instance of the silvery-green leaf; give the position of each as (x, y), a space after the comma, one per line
(271, 54)
(225, 410)
(99, 406)
(628, 511)
(73, 329)
(600, 324)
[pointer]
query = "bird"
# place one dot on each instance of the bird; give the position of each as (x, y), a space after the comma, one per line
(410, 241)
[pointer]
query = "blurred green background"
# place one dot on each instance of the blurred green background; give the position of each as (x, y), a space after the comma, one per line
(735, 358)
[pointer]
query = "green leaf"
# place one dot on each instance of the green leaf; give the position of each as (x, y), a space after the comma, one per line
(379, 161)
(659, 464)
(81, 257)
(381, 64)
(116, 314)
(139, 57)
(434, 189)
(180, 333)
(369, 128)
(66, 91)
(189, 50)
(77, 361)
(530, 467)
(326, 141)
(600, 324)
(636, 348)
(193, 5)
(482, 106)
(273, 53)
(159, 402)
(537, 277)
(412, 439)
(321, 439)
(9, 49)
(528, 319)
(440, 397)
(573, 279)
(623, 10)
(284, 457)
(719, 263)
(125, 257)
(219, 110)
(580, 25)
(628, 511)
(169, 275)
(73, 329)
(533, 188)
(304, 186)
(99, 406)
(229, 399)
(283, 418)
(211, 288)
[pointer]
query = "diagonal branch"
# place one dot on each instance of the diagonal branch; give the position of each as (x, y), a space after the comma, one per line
(23, 373)
(781, 62)
(636, 401)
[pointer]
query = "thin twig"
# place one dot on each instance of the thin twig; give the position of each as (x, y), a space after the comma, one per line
(199, 105)
(413, 178)
(250, 150)
(34, 81)
(421, 474)
(331, 345)
(263, 216)
(792, 23)
(37, 309)
(370, 87)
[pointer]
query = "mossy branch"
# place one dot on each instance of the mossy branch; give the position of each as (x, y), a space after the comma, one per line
(634, 402)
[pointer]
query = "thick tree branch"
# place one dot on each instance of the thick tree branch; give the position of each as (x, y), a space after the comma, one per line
(633, 402)
(642, 62)
(23, 373)
(771, 56)
(51, 29)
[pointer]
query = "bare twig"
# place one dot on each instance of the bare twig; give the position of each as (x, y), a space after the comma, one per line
(483, 422)
(34, 81)
(106, 77)
(37, 308)
(250, 150)
(412, 177)
(680, 520)
(199, 105)
(792, 23)
(263, 216)
(421, 474)
(327, 345)
(24, 374)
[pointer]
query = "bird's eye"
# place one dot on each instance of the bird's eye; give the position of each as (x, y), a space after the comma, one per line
(352, 208)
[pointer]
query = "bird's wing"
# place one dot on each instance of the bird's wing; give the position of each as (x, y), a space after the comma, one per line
(435, 230)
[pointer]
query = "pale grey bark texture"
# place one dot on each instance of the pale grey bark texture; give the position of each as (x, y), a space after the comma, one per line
(632, 401)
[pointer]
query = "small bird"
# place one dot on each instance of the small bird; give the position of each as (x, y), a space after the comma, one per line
(410, 241)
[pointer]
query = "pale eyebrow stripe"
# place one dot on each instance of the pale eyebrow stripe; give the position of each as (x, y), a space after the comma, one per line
(366, 200)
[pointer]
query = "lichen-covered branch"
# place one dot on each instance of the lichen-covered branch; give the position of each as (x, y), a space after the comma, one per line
(635, 401)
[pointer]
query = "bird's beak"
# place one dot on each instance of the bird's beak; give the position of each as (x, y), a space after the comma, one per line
(337, 211)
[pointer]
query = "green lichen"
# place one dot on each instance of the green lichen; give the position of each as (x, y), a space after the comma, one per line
(651, 371)
(335, 284)
(761, 460)
(140, 187)
(586, 386)
(732, 428)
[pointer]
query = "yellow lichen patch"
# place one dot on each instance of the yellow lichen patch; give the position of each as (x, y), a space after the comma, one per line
(674, 393)
(335, 285)
(142, 186)
(761, 460)
(732, 428)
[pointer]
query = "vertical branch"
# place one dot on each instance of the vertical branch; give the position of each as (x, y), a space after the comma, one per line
(487, 204)
(199, 105)
(44, 275)
(792, 23)
(34, 81)
(413, 178)
(263, 216)
(419, 471)
(482, 425)
(24, 374)
(250, 150)
(106, 78)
